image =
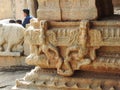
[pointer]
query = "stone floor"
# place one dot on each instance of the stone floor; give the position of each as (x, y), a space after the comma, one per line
(7, 79)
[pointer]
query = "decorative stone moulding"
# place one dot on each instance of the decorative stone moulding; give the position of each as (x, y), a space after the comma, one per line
(64, 10)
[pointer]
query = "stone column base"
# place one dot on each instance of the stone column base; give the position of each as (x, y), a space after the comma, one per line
(44, 79)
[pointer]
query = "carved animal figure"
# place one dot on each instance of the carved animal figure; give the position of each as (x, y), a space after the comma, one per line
(80, 48)
(41, 46)
(12, 35)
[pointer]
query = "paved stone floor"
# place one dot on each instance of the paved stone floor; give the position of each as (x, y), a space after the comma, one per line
(7, 79)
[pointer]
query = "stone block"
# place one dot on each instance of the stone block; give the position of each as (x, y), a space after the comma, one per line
(77, 10)
(49, 10)
(12, 61)
(63, 10)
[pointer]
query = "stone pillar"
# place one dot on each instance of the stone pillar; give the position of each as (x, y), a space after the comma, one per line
(6, 9)
(20, 4)
(31, 4)
(25, 4)
(60, 47)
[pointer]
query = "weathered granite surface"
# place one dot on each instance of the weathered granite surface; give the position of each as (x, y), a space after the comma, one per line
(74, 9)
